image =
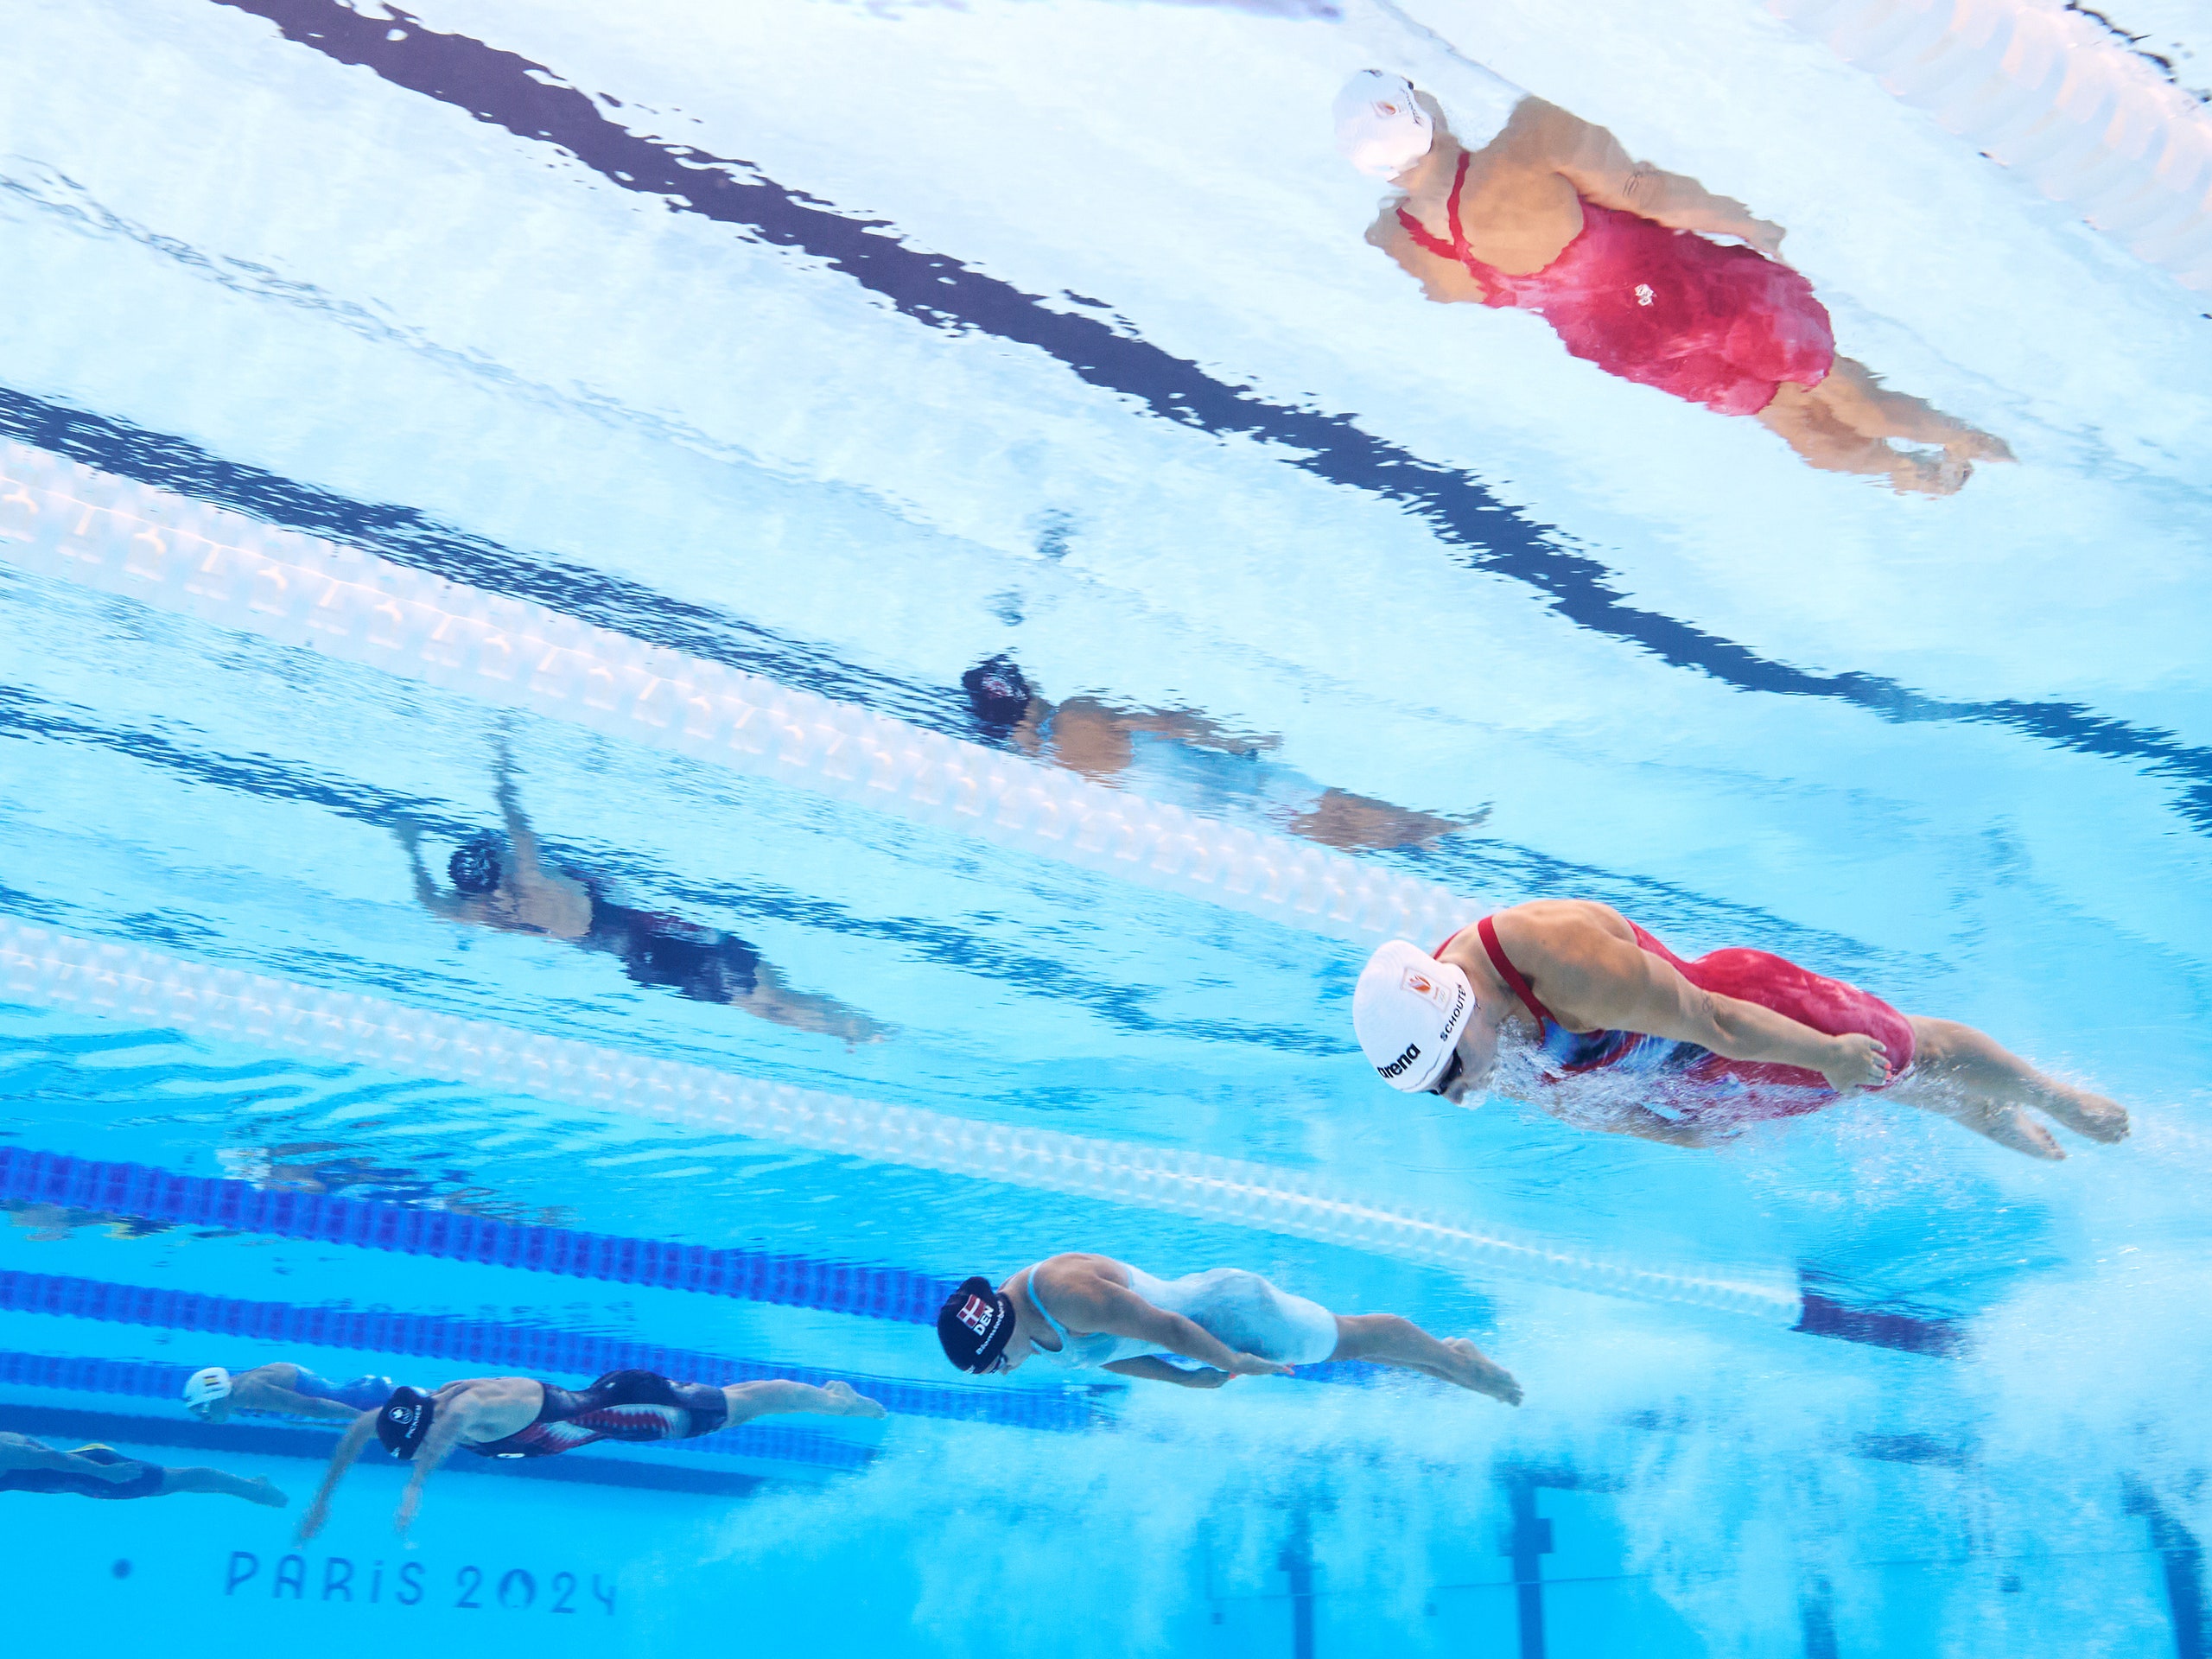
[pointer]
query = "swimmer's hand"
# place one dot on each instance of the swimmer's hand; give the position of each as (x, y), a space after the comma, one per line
(1764, 235)
(1253, 1365)
(1205, 1377)
(1856, 1061)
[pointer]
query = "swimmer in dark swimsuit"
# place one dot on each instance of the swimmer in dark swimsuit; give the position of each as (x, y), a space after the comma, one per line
(516, 1417)
(212, 1394)
(1100, 742)
(1535, 209)
(1605, 1019)
(30, 1465)
(505, 882)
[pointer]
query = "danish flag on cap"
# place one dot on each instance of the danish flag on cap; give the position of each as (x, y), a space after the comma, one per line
(976, 1314)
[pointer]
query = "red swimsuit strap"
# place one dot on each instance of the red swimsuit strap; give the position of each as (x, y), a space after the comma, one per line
(1513, 976)
(1457, 247)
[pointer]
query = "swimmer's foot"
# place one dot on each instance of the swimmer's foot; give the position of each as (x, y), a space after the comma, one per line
(1973, 445)
(1943, 473)
(846, 1404)
(2089, 1116)
(1482, 1375)
(261, 1490)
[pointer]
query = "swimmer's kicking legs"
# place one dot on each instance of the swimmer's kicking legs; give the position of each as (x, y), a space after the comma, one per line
(517, 1417)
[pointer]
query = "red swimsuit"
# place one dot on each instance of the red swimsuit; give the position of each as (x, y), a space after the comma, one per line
(1723, 326)
(1692, 1081)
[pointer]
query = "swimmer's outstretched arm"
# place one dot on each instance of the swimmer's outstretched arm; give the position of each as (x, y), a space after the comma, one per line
(427, 894)
(1594, 163)
(453, 1419)
(1610, 982)
(1102, 1306)
(522, 840)
(1153, 1369)
(351, 1447)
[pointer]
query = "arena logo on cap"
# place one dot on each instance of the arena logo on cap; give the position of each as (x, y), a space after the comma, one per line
(978, 1315)
(1412, 1053)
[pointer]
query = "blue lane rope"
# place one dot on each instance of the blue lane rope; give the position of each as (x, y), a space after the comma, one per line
(200, 1201)
(516, 1349)
(794, 1281)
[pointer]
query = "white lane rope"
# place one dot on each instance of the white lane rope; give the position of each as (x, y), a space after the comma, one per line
(2046, 90)
(54, 970)
(60, 520)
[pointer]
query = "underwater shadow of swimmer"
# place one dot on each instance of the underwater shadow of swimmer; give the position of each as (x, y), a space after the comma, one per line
(1086, 736)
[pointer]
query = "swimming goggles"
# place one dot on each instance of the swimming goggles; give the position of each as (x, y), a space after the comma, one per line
(1451, 1073)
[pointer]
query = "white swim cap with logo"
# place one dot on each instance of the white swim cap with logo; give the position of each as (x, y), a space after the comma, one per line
(1409, 1009)
(206, 1387)
(1380, 128)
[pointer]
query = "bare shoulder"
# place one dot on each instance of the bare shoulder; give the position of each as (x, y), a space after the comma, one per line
(1074, 1267)
(1544, 136)
(1565, 926)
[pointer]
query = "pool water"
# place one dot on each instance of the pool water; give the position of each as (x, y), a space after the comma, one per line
(821, 352)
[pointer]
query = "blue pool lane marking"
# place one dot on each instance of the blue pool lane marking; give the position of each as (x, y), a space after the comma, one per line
(138, 1190)
(507, 91)
(513, 1349)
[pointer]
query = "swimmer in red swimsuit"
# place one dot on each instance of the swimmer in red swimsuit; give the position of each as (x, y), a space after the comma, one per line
(1540, 210)
(1603, 1015)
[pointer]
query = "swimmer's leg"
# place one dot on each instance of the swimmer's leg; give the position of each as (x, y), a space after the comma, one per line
(1967, 1075)
(1804, 421)
(834, 1399)
(1386, 1339)
(1862, 402)
(256, 1491)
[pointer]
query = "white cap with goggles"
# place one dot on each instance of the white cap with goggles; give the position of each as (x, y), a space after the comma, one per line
(1409, 1009)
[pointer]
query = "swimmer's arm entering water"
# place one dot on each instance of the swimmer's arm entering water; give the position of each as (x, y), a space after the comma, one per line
(351, 1447)
(1594, 163)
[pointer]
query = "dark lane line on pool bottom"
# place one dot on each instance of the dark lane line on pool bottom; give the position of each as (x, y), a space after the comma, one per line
(139, 1190)
(506, 89)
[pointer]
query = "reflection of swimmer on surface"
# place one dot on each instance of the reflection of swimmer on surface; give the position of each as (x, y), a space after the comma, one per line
(1534, 208)
(1087, 736)
(1607, 1026)
(504, 882)
(30, 1465)
(516, 1417)
(1083, 1312)
(212, 1394)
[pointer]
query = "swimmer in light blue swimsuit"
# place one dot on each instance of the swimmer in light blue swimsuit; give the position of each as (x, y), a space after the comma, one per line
(1081, 1311)
(213, 1394)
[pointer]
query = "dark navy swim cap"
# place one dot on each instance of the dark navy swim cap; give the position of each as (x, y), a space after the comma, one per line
(404, 1420)
(997, 694)
(475, 867)
(973, 1324)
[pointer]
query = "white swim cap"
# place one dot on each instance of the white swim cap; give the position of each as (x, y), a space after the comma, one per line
(1409, 1009)
(1380, 128)
(203, 1388)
